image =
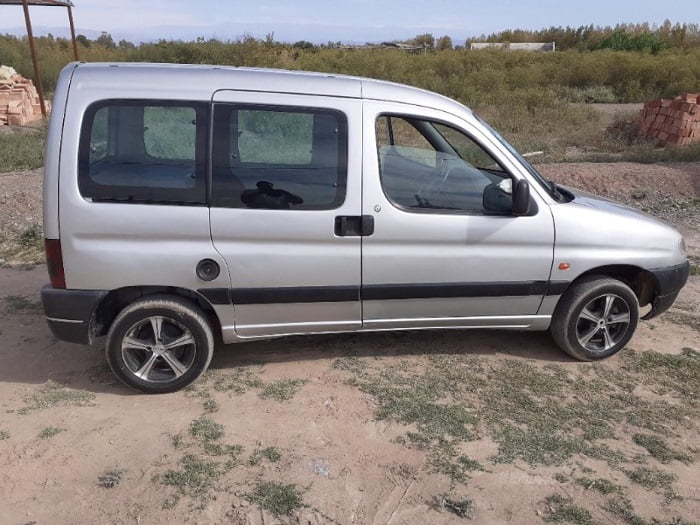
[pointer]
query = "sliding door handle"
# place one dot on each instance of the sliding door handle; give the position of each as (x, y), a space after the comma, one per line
(354, 225)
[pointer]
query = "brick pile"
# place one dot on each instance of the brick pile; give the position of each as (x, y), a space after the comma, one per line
(19, 100)
(674, 121)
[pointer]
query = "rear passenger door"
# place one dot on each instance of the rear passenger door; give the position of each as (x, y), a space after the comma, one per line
(285, 206)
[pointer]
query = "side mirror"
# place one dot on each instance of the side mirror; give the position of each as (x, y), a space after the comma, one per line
(521, 198)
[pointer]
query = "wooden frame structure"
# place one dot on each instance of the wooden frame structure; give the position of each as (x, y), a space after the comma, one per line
(30, 35)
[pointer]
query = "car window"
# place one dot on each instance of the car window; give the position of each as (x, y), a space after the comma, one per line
(405, 140)
(275, 137)
(169, 132)
(279, 157)
(136, 151)
(431, 166)
(469, 150)
(98, 136)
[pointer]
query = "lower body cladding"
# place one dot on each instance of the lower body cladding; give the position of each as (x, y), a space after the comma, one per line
(233, 334)
(71, 313)
(316, 309)
(670, 281)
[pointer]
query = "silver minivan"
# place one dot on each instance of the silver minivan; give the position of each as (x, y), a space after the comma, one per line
(189, 204)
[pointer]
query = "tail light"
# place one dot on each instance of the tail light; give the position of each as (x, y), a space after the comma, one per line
(54, 262)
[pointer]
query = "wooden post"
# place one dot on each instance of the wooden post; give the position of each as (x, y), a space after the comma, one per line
(72, 33)
(37, 79)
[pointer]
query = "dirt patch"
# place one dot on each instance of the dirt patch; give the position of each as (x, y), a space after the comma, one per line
(384, 428)
(429, 427)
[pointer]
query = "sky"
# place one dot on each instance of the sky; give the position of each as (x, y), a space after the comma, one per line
(320, 21)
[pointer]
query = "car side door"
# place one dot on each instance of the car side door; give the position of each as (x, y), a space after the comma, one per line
(286, 175)
(446, 249)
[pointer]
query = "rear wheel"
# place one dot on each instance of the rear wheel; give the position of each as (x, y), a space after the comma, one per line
(159, 344)
(595, 318)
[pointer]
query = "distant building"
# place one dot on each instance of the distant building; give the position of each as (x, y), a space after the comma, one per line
(515, 46)
(387, 45)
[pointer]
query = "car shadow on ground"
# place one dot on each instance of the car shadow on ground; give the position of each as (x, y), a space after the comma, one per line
(84, 367)
(528, 345)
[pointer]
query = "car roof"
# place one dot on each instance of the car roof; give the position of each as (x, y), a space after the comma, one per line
(210, 78)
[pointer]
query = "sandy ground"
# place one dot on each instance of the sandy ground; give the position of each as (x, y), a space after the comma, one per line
(348, 463)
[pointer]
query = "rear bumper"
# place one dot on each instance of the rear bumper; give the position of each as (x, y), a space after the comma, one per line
(71, 313)
(671, 280)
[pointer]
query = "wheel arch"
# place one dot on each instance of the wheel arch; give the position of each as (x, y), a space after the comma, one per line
(116, 300)
(642, 282)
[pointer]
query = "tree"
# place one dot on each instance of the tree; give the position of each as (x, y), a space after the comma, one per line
(83, 41)
(303, 44)
(105, 40)
(425, 40)
(444, 42)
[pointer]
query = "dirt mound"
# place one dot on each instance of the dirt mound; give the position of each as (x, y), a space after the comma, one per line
(629, 182)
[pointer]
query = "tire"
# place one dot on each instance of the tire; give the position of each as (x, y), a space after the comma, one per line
(158, 365)
(595, 318)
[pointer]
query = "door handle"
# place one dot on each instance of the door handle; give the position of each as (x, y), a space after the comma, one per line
(354, 225)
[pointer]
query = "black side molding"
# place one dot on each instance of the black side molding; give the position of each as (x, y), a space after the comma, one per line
(381, 292)
(296, 294)
(557, 287)
(216, 295)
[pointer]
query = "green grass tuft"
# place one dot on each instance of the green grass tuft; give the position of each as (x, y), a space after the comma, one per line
(658, 448)
(604, 486)
(621, 507)
(653, 479)
(51, 394)
(279, 499)
(4, 434)
(32, 237)
(211, 405)
(21, 304)
(464, 508)
(282, 390)
(237, 382)
(271, 454)
(22, 149)
(206, 430)
(111, 478)
(560, 509)
(196, 478)
(49, 432)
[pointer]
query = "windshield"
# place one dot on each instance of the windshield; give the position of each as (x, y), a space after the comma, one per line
(548, 186)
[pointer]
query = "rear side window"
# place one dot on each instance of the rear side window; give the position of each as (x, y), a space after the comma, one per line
(144, 152)
(279, 157)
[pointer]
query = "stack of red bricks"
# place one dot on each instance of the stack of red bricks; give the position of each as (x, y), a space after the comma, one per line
(674, 121)
(19, 101)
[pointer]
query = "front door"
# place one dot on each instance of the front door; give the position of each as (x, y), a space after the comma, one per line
(446, 251)
(285, 209)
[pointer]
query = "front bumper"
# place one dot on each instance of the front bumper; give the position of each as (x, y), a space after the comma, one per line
(670, 281)
(71, 313)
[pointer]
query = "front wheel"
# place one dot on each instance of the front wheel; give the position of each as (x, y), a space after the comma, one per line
(159, 344)
(595, 318)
